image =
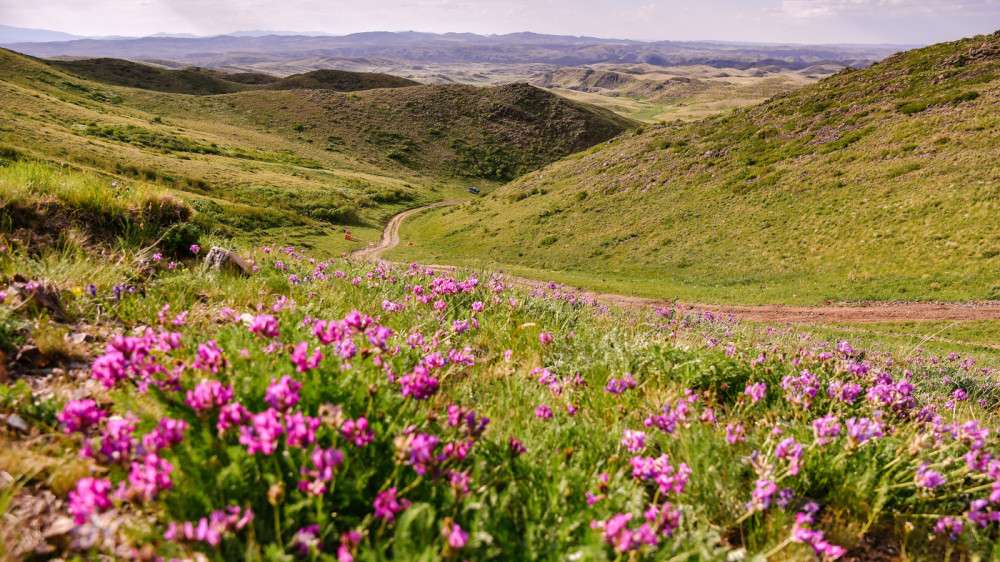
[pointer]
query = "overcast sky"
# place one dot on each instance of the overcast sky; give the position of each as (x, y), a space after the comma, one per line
(799, 21)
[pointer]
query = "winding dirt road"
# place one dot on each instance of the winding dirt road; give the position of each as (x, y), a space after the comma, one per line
(867, 312)
(390, 236)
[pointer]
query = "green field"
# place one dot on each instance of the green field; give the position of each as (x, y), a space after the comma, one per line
(874, 184)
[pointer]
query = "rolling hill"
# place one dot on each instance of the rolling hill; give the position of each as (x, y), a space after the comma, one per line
(879, 183)
(204, 81)
(304, 163)
(652, 94)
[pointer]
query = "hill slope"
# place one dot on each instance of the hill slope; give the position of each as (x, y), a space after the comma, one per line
(309, 160)
(340, 81)
(204, 81)
(872, 184)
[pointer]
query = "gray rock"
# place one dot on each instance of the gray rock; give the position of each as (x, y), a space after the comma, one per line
(223, 259)
(17, 422)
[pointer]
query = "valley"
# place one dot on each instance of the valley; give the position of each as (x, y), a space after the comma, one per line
(419, 296)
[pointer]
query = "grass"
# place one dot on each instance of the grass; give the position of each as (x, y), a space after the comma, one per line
(305, 158)
(829, 193)
(652, 94)
(203, 81)
(532, 506)
(40, 198)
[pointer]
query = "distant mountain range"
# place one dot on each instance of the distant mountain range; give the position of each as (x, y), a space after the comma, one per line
(9, 34)
(255, 47)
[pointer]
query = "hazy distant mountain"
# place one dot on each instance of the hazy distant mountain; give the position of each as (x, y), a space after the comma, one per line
(266, 32)
(179, 35)
(10, 34)
(517, 48)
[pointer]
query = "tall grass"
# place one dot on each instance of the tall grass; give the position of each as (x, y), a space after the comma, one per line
(32, 191)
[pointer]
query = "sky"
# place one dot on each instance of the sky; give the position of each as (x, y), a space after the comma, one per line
(908, 22)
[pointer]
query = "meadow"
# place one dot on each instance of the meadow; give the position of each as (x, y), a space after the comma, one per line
(873, 184)
(324, 408)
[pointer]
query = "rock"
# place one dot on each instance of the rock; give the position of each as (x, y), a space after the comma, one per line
(221, 258)
(31, 357)
(16, 422)
(61, 526)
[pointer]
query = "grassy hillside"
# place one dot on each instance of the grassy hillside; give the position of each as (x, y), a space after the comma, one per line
(193, 80)
(307, 163)
(648, 93)
(340, 81)
(878, 183)
(204, 81)
(338, 411)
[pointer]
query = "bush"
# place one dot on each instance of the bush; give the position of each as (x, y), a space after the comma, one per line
(178, 240)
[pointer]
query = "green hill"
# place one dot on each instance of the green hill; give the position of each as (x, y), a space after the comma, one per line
(301, 163)
(879, 183)
(340, 81)
(192, 80)
(204, 81)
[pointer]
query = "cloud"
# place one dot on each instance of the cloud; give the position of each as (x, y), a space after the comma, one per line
(823, 8)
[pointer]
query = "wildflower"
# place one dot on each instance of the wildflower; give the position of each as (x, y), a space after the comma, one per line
(789, 449)
(664, 518)
(618, 386)
(457, 538)
(264, 325)
(208, 395)
(209, 357)
(801, 532)
(282, 393)
(357, 432)
(261, 436)
(302, 360)
(80, 415)
(951, 525)
(761, 496)
(306, 540)
(420, 450)
(545, 338)
(324, 462)
(210, 530)
(348, 546)
(195, 248)
(387, 505)
(300, 429)
(117, 443)
(419, 384)
(147, 478)
(756, 391)
(516, 447)
(785, 496)
(825, 429)
(543, 412)
(231, 415)
(157, 257)
(928, 479)
(634, 441)
(169, 432)
(860, 430)
(660, 470)
(91, 496)
(735, 434)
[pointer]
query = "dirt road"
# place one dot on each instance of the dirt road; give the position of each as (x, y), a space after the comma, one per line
(867, 312)
(390, 236)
